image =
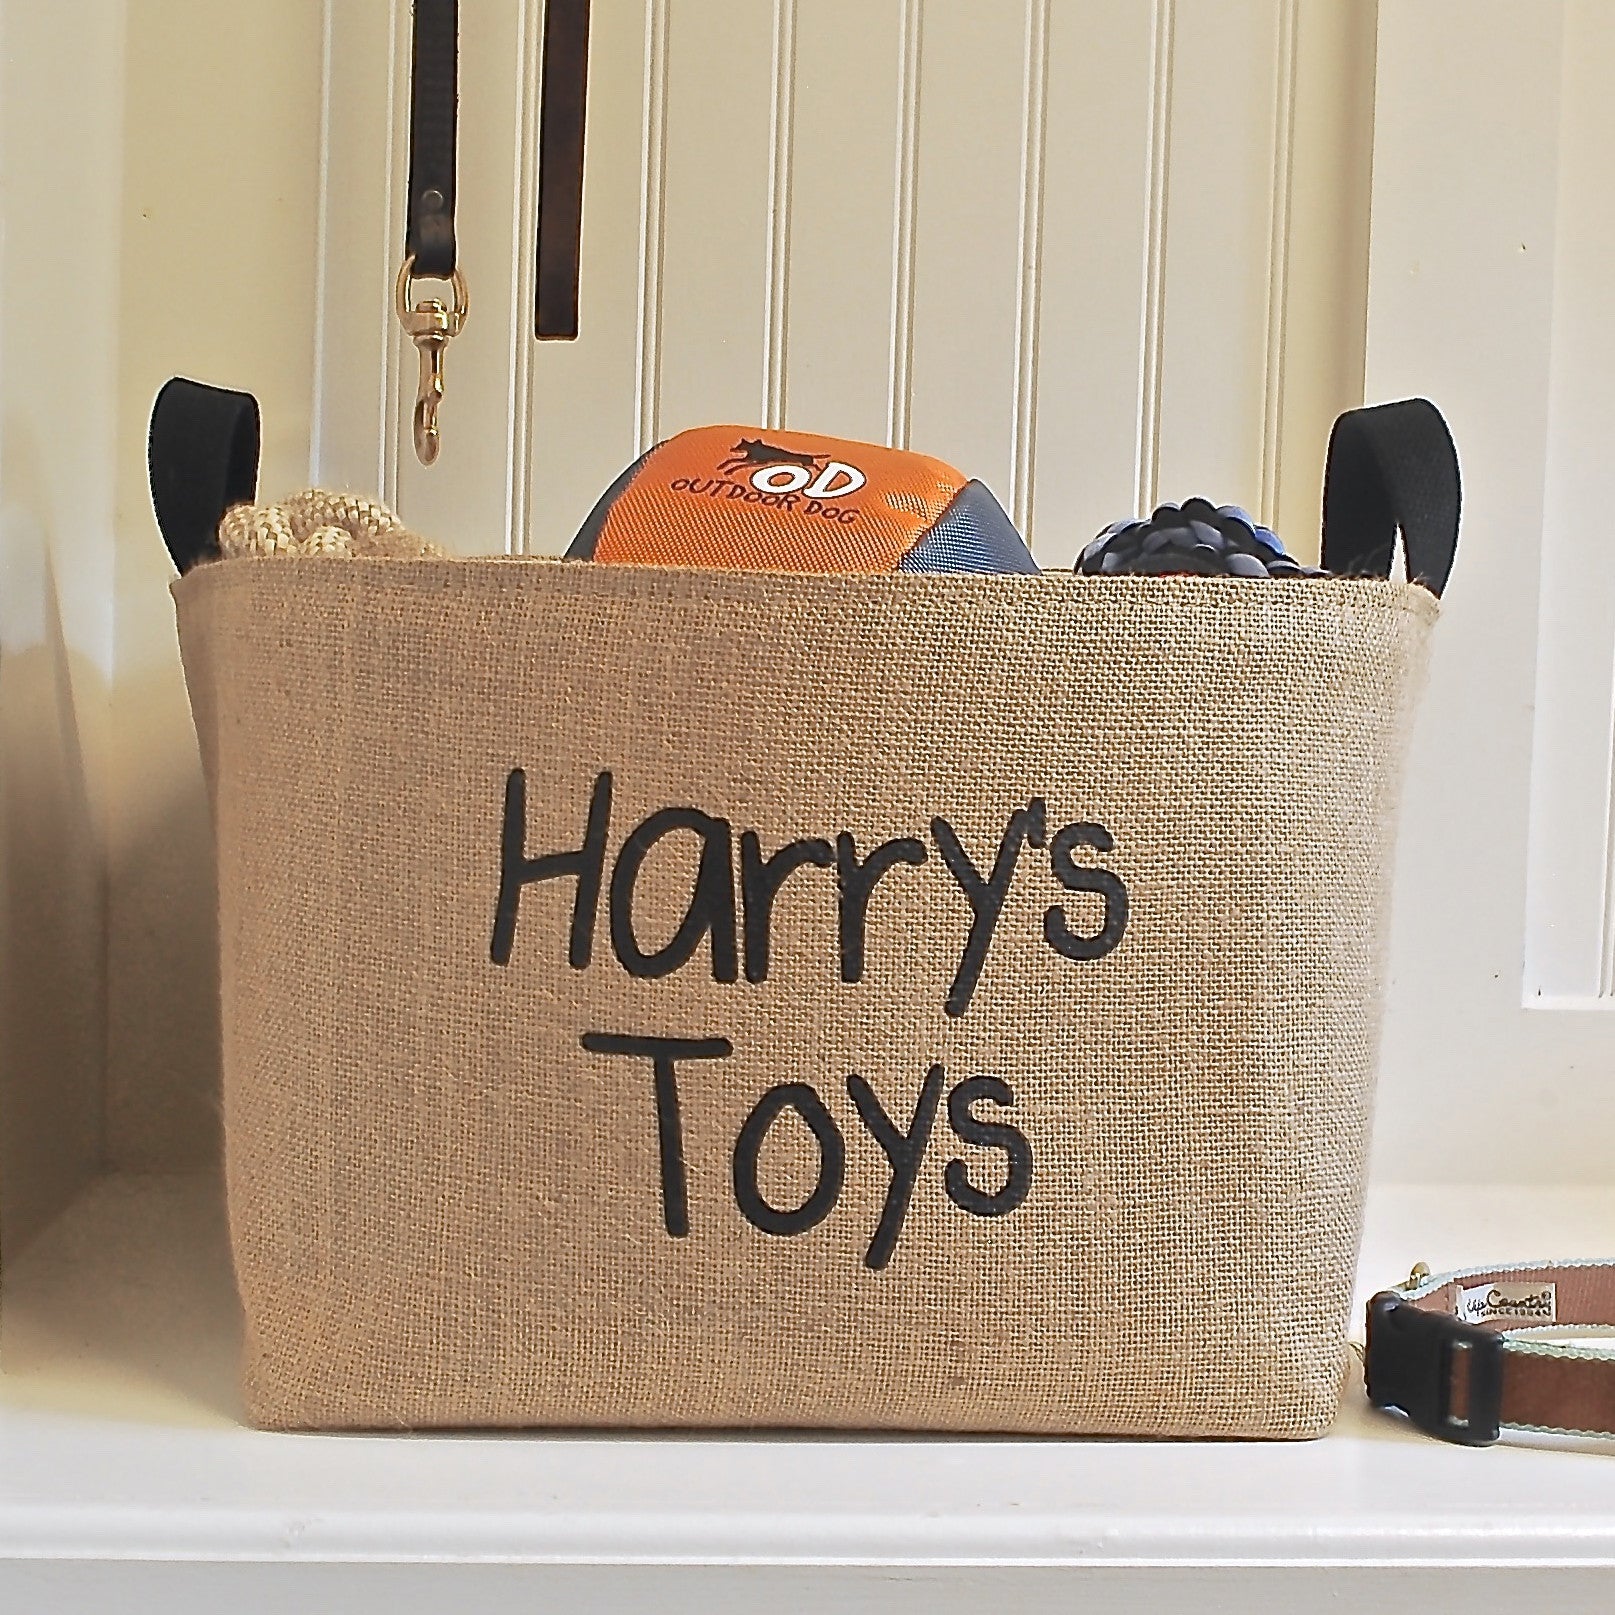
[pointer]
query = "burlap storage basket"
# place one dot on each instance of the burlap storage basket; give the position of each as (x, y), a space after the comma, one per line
(461, 1193)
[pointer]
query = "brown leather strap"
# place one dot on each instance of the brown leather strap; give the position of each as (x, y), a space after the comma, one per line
(1550, 1389)
(1549, 1385)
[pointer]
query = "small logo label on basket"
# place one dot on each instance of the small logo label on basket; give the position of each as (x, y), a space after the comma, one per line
(1512, 1303)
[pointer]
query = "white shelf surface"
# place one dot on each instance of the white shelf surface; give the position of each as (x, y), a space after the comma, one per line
(125, 1474)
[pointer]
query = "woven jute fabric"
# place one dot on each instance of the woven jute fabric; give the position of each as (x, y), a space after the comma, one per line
(453, 1196)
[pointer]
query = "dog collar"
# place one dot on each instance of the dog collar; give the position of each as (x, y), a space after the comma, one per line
(1470, 1353)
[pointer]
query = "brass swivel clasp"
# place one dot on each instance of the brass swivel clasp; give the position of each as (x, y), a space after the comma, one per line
(431, 324)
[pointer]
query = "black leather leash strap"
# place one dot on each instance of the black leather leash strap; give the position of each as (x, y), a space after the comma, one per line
(1392, 466)
(202, 457)
(433, 101)
(560, 168)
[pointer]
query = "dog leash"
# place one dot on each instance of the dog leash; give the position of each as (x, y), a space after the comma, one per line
(431, 323)
(560, 170)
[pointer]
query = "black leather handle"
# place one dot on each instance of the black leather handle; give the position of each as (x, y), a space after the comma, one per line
(1392, 466)
(202, 456)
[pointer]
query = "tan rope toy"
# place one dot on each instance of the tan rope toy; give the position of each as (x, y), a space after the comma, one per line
(316, 522)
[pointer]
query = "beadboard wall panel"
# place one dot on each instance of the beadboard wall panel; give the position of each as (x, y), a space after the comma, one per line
(848, 195)
(1055, 241)
(713, 290)
(593, 399)
(1089, 436)
(1226, 184)
(477, 490)
(1324, 325)
(967, 238)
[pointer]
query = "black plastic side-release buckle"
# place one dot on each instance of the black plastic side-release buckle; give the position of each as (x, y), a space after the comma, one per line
(1409, 1366)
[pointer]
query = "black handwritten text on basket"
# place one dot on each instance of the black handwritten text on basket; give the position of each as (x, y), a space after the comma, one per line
(714, 916)
(730, 909)
(904, 1151)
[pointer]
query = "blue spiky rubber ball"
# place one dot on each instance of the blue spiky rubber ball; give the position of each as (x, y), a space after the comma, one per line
(1194, 539)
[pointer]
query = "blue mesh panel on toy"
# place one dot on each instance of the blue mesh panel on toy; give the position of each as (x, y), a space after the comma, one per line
(974, 534)
(582, 547)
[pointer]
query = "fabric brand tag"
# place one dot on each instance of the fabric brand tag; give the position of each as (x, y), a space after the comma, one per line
(1513, 1303)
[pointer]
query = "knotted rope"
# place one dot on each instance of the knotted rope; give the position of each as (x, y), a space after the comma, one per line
(316, 522)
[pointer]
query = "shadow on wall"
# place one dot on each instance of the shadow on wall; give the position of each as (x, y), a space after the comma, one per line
(52, 888)
(162, 924)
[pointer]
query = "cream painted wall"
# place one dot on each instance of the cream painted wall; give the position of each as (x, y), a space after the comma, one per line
(160, 185)
(1326, 278)
(220, 212)
(61, 92)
